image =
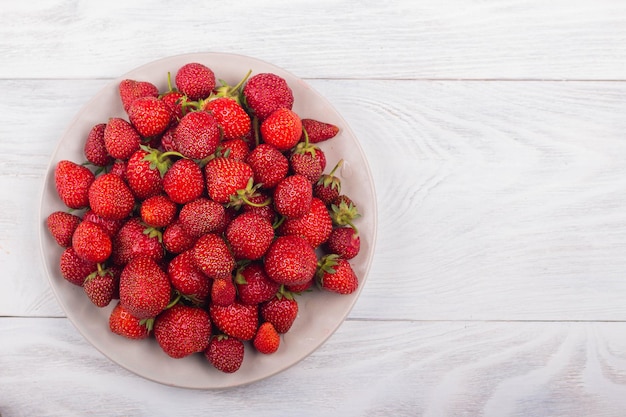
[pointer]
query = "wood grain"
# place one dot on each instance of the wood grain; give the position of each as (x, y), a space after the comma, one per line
(450, 39)
(372, 368)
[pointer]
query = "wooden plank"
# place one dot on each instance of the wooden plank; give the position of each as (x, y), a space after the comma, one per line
(366, 368)
(349, 39)
(497, 200)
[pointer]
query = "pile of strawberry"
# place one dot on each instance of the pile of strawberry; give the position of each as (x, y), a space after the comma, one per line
(204, 213)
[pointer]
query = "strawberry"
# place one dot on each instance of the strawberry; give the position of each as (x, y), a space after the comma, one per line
(236, 320)
(119, 168)
(197, 135)
(343, 211)
(167, 139)
(158, 211)
(150, 116)
(282, 129)
(257, 204)
(268, 164)
(136, 240)
(231, 117)
(130, 90)
(300, 288)
(144, 288)
(187, 279)
(266, 92)
(123, 323)
(201, 216)
(91, 242)
(328, 186)
(195, 80)
(94, 148)
(335, 274)
(184, 181)
(120, 138)
(281, 311)
(344, 241)
(234, 149)
(225, 353)
(182, 330)
(72, 182)
(61, 226)
(306, 164)
(110, 197)
(253, 284)
(290, 260)
(212, 256)
(315, 226)
(145, 170)
(100, 287)
(109, 225)
(174, 100)
(319, 131)
(74, 268)
(292, 196)
(267, 339)
(250, 235)
(223, 292)
(225, 177)
(176, 239)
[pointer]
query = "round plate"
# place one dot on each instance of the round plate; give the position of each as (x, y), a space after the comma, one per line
(320, 312)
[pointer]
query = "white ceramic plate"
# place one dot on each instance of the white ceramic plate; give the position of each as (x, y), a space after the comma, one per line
(320, 313)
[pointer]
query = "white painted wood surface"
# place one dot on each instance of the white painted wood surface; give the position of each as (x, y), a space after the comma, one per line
(496, 134)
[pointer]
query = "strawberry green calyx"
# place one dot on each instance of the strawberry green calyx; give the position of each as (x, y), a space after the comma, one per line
(325, 265)
(344, 214)
(152, 232)
(148, 323)
(174, 301)
(244, 195)
(233, 92)
(159, 160)
(305, 147)
(330, 180)
(100, 272)
(283, 292)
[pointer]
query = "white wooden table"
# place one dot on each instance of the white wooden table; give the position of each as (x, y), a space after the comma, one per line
(496, 134)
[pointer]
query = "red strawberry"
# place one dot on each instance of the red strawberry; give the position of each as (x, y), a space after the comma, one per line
(145, 170)
(307, 165)
(123, 323)
(94, 148)
(174, 101)
(224, 177)
(328, 186)
(344, 241)
(282, 129)
(197, 135)
(74, 268)
(236, 320)
(257, 204)
(231, 117)
(315, 226)
(119, 168)
(130, 90)
(319, 131)
(120, 138)
(182, 330)
(195, 80)
(144, 288)
(300, 288)
(184, 181)
(281, 311)
(201, 216)
(250, 235)
(266, 92)
(187, 279)
(267, 339)
(225, 353)
(223, 292)
(111, 226)
(135, 240)
(91, 242)
(150, 116)
(72, 183)
(293, 196)
(158, 211)
(61, 226)
(290, 260)
(110, 197)
(100, 286)
(269, 165)
(176, 239)
(212, 256)
(253, 284)
(234, 149)
(335, 274)
(167, 139)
